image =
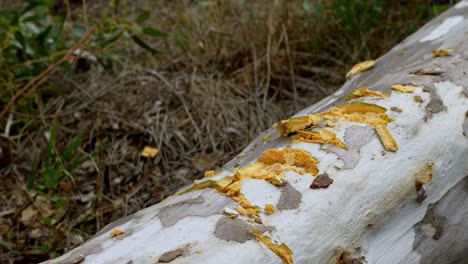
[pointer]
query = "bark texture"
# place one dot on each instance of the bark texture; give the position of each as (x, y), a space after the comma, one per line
(379, 178)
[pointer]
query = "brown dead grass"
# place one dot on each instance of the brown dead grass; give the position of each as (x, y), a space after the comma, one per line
(227, 71)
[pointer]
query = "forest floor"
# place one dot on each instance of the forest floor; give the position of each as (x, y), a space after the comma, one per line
(223, 72)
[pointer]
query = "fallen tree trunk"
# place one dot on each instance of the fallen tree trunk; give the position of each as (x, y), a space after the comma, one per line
(375, 173)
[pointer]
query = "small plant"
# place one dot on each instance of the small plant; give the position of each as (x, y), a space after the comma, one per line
(57, 166)
(33, 43)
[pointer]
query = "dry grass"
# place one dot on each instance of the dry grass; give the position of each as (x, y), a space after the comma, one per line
(226, 71)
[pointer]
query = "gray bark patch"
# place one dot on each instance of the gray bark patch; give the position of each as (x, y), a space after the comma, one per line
(234, 229)
(171, 255)
(321, 181)
(435, 104)
(442, 236)
(355, 138)
(290, 198)
(208, 203)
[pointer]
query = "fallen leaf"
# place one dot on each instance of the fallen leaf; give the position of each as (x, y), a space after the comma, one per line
(442, 52)
(28, 216)
(360, 67)
(44, 205)
(149, 152)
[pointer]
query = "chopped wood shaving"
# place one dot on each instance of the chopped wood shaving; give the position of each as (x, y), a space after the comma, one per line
(360, 67)
(417, 99)
(429, 71)
(294, 124)
(266, 138)
(403, 88)
(209, 174)
(323, 137)
(442, 52)
(269, 209)
(388, 141)
(282, 250)
(365, 113)
(396, 109)
(364, 91)
(116, 232)
(330, 123)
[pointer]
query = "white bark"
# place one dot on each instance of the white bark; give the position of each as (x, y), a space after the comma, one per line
(370, 213)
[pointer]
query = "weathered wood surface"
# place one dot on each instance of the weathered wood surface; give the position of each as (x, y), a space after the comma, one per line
(403, 206)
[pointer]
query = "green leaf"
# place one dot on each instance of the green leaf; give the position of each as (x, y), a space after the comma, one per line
(154, 32)
(142, 44)
(112, 37)
(70, 151)
(143, 17)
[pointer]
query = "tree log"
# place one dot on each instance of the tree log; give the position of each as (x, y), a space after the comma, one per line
(375, 173)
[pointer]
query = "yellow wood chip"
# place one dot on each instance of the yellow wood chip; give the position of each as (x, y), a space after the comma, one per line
(325, 136)
(417, 99)
(397, 109)
(403, 88)
(330, 123)
(387, 139)
(116, 232)
(209, 174)
(295, 124)
(266, 138)
(149, 152)
(442, 52)
(360, 67)
(364, 91)
(282, 250)
(269, 209)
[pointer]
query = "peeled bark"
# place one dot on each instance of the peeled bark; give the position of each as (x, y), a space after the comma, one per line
(391, 187)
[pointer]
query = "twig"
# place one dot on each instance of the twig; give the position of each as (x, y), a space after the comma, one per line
(38, 79)
(268, 57)
(291, 67)
(99, 180)
(8, 124)
(85, 14)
